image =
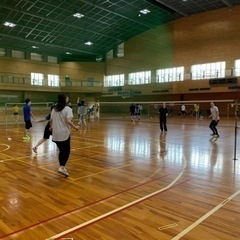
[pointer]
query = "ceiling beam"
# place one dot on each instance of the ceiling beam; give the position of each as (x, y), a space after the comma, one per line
(226, 2)
(171, 7)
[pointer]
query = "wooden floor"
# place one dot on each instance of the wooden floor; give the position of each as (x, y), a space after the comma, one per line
(127, 181)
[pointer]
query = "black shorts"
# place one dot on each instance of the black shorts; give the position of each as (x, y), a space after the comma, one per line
(47, 132)
(214, 123)
(28, 124)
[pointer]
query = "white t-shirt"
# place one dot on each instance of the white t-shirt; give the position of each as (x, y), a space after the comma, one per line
(61, 130)
(183, 108)
(214, 113)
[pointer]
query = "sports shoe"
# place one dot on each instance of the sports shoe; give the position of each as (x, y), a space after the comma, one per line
(216, 136)
(34, 149)
(26, 137)
(63, 171)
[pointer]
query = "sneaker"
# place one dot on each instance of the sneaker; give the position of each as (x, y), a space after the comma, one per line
(26, 137)
(216, 136)
(63, 171)
(34, 149)
(212, 134)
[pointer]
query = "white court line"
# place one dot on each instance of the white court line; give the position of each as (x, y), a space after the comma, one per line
(120, 208)
(184, 232)
(7, 147)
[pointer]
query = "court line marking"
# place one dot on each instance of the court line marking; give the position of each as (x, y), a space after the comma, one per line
(64, 233)
(7, 147)
(20, 159)
(10, 158)
(105, 171)
(91, 145)
(204, 217)
(4, 155)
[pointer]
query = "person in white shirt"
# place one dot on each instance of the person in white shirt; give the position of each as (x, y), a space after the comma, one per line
(61, 124)
(82, 111)
(215, 119)
(183, 110)
(97, 110)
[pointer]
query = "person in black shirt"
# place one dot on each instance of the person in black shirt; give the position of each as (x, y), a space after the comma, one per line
(163, 113)
(132, 109)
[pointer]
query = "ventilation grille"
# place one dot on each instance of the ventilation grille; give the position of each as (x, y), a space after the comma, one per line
(111, 94)
(199, 89)
(223, 81)
(234, 88)
(160, 91)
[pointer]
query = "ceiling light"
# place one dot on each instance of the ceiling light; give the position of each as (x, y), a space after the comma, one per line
(35, 47)
(68, 53)
(9, 24)
(88, 43)
(144, 11)
(78, 15)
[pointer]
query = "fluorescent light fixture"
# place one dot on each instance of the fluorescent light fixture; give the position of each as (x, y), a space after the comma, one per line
(88, 43)
(35, 47)
(144, 11)
(9, 24)
(78, 15)
(68, 53)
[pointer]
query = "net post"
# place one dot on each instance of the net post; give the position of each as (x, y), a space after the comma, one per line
(236, 128)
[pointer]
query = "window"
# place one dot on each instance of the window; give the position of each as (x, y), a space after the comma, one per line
(120, 50)
(237, 67)
(170, 74)
(139, 78)
(110, 55)
(2, 52)
(36, 57)
(53, 80)
(51, 59)
(18, 54)
(208, 70)
(37, 79)
(114, 80)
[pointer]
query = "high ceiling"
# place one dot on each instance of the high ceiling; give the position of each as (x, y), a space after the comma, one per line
(48, 27)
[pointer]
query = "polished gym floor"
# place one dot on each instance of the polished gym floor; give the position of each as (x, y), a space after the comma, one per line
(127, 181)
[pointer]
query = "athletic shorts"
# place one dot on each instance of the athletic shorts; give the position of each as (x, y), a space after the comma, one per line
(81, 117)
(47, 132)
(28, 124)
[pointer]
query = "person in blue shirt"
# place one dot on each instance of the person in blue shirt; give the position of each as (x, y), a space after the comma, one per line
(27, 114)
